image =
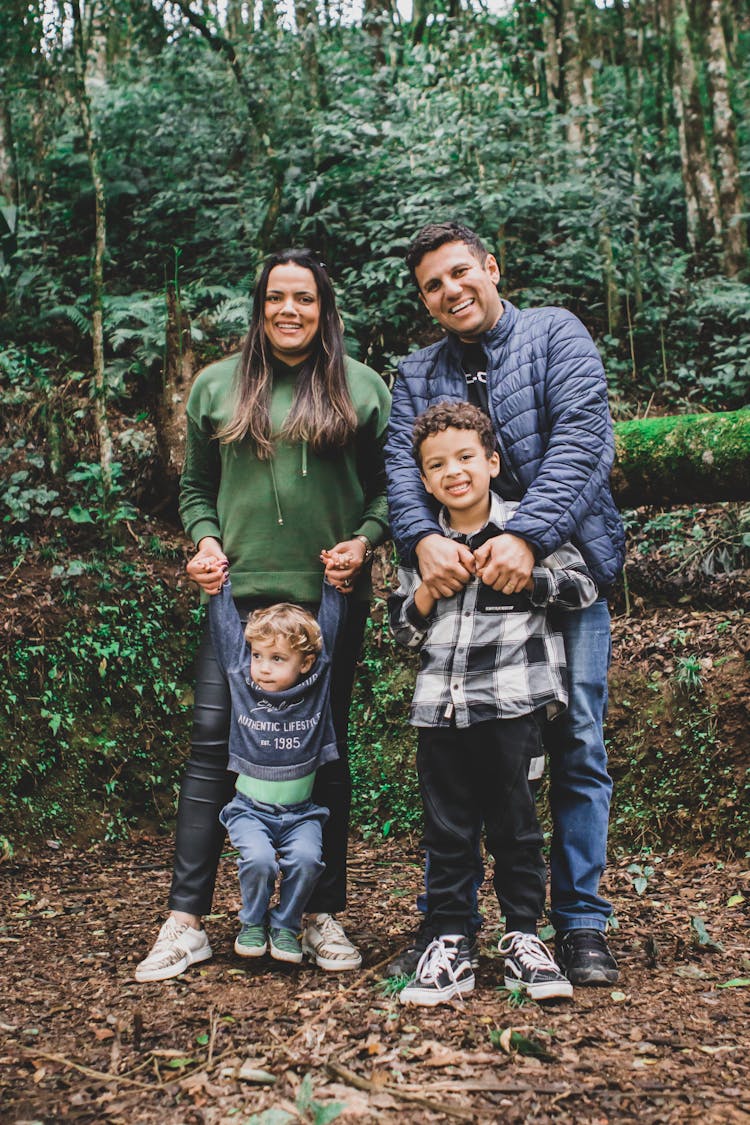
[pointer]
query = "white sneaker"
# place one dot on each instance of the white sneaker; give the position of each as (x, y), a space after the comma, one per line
(177, 946)
(326, 944)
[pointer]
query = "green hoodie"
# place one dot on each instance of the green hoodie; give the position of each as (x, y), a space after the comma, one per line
(274, 517)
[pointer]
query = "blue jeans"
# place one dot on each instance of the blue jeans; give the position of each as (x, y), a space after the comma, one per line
(260, 832)
(580, 787)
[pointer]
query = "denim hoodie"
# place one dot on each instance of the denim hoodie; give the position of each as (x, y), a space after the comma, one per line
(281, 735)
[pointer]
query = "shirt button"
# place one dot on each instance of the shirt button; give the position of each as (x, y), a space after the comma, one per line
(455, 687)
(467, 614)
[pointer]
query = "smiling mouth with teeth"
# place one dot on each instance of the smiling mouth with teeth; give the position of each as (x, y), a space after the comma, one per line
(462, 306)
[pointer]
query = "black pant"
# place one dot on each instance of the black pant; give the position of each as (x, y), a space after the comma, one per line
(207, 786)
(467, 776)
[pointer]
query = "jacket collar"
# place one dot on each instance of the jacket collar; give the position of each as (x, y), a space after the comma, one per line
(499, 516)
(491, 340)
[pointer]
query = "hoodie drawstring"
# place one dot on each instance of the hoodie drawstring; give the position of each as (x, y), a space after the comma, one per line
(279, 517)
(304, 457)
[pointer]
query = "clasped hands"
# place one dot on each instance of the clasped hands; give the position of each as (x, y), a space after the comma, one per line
(342, 564)
(504, 562)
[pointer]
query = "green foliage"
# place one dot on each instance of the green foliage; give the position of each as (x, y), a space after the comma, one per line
(639, 876)
(674, 775)
(458, 120)
(308, 1109)
(382, 744)
(94, 716)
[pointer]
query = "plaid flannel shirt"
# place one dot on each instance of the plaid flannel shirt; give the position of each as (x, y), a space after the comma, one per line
(487, 655)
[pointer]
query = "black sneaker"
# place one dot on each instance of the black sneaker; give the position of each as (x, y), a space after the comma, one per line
(444, 971)
(585, 958)
(530, 966)
(404, 964)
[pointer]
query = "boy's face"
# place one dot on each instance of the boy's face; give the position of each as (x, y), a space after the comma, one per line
(457, 472)
(275, 666)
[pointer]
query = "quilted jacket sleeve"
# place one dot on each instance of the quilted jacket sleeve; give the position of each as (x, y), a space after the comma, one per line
(580, 451)
(411, 514)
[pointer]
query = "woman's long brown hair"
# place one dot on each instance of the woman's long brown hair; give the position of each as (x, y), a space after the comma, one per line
(322, 412)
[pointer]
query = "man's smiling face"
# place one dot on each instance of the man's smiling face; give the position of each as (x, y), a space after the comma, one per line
(459, 291)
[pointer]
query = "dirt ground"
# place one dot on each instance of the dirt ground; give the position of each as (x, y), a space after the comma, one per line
(80, 1041)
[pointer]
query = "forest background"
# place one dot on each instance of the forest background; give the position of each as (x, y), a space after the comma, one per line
(152, 153)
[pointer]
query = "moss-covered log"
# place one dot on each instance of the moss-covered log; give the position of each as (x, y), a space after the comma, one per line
(682, 459)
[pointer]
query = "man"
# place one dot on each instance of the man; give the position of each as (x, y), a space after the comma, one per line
(538, 375)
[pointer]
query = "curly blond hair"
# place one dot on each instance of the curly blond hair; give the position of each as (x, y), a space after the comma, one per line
(291, 622)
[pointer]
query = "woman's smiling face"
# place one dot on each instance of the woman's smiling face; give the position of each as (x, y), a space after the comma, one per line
(291, 315)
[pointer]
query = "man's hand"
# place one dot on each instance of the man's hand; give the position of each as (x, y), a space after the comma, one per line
(444, 565)
(505, 563)
(209, 567)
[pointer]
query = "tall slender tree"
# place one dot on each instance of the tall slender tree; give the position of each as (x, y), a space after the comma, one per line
(734, 226)
(80, 56)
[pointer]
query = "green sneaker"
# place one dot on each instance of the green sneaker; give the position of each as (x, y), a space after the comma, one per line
(251, 941)
(285, 945)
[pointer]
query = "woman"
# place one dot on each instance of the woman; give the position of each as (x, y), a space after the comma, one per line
(284, 459)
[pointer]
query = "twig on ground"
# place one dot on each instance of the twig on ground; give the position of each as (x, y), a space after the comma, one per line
(100, 1075)
(357, 983)
(336, 1070)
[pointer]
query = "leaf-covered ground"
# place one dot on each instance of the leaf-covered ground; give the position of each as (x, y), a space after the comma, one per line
(80, 1041)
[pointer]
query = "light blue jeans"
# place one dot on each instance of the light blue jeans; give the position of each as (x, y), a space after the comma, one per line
(261, 832)
(580, 787)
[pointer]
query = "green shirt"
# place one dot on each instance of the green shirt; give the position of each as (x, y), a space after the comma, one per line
(274, 517)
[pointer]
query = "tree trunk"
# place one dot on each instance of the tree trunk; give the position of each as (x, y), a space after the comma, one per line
(734, 228)
(306, 17)
(8, 165)
(684, 459)
(701, 197)
(170, 415)
(573, 75)
(97, 263)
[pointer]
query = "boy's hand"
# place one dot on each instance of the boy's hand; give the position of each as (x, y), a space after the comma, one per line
(209, 567)
(444, 565)
(424, 600)
(343, 563)
(505, 563)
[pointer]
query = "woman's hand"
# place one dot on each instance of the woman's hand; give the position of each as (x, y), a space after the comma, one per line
(209, 567)
(343, 563)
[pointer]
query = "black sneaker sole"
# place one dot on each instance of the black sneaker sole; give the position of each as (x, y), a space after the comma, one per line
(592, 977)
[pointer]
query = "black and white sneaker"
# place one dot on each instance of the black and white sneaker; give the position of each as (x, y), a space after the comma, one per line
(444, 971)
(404, 964)
(530, 966)
(585, 957)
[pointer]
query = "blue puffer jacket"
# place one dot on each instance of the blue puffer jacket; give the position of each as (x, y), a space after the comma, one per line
(548, 401)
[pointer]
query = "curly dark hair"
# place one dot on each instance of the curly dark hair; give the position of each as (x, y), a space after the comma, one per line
(438, 234)
(452, 416)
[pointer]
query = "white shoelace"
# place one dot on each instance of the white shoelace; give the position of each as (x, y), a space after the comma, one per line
(334, 937)
(529, 949)
(436, 959)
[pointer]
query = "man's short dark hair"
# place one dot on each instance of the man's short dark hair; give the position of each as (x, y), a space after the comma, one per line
(437, 234)
(452, 416)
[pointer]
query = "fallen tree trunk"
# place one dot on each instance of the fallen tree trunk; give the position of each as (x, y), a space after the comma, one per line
(682, 459)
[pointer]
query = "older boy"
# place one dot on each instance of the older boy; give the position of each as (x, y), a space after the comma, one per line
(492, 668)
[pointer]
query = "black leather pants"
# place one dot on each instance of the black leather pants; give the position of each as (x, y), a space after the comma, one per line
(207, 785)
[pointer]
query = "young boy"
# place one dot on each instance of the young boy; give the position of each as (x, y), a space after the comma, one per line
(492, 668)
(278, 670)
